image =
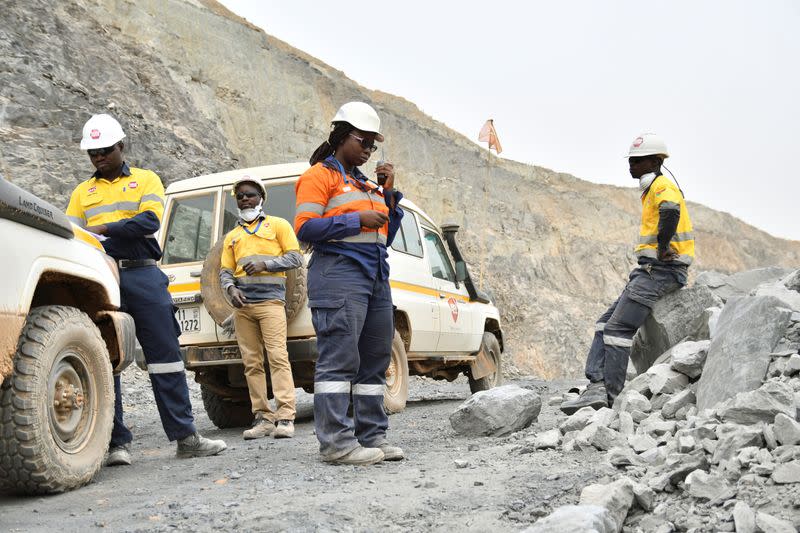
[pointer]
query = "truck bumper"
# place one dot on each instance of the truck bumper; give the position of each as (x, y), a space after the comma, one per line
(300, 350)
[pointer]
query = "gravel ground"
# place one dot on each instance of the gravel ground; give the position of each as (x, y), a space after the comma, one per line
(281, 485)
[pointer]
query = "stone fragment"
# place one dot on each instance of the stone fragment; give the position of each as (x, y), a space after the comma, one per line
(747, 456)
(547, 439)
(656, 426)
(686, 444)
(604, 416)
(616, 497)
(657, 402)
(641, 443)
(679, 400)
(653, 456)
(772, 524)
(744, 518)
(787, 473)
(760, 405)
(630, 401)
(665, 380)
(622, 456)
(497, 411)
(705, 486)
(793, 365)
(733, 439)
(678, 465)
(638, 416)
(784, 454)
(674, 318)
(640, 384)
(644, 496)
(577, 420)
(786, 430)
(789, 298)
(705, 324)
(746, 281)
(577, 519)
(769, 437)
(738, 357)
(626, 426)
(689, 357)
(601, 437)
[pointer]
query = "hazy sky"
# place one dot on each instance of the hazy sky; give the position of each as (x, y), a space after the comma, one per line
(571, 83)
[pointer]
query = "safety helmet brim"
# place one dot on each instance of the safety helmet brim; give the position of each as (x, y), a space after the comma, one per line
(254, 181)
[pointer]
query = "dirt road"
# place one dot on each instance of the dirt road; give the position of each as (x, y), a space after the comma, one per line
(447, 483)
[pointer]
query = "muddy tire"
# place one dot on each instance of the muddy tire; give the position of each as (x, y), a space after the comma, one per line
(217, 302)
(226, 413)
(395, 395)
(57, 407)
(492, 347)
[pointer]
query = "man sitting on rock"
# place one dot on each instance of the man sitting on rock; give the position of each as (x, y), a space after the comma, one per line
(664, 253)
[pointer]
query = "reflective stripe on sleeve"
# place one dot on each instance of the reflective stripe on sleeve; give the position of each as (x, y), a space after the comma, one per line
(364, 389)
(678, 237)
(331, 387)
(262, 280)
(165, 368)
(364, 236)
(310, 207)
(671, 206)
(255, 258)
(78, 221)
(340, 200)
(617, 341)
(599, 326)
(152, 198)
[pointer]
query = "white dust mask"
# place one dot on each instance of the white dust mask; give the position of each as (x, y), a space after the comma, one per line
(251, 213)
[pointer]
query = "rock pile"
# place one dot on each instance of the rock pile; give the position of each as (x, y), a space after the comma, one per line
(708, 436)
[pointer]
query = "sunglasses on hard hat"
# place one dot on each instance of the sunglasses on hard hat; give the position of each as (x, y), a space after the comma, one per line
(243, 195)
(368, 145)
(94, 152)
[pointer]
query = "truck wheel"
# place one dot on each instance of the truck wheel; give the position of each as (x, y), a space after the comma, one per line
(492, 347)
(57, 407)
(226, 413)
(395, 395)
(216, 301)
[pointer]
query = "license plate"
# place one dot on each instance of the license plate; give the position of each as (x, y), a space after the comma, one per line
(188, 319)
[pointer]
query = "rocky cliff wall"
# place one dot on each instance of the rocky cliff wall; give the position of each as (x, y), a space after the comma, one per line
(200, 90)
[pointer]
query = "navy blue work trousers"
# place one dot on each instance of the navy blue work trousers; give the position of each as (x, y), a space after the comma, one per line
(354, 322)
(145, 297)
(613, 338)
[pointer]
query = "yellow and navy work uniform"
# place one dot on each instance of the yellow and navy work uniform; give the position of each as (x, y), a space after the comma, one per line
(269, 239)
(665, 224)
(351, 302)
(131, 206)
(261, 322)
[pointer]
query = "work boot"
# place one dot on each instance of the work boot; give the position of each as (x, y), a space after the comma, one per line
(119, 455)
(284, 429)
(261, 428)
(595, 396)
(359, 456)
(391, 453)
(196, 445)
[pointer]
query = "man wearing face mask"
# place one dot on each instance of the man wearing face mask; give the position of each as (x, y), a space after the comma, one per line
(664, 253)
(255, 257)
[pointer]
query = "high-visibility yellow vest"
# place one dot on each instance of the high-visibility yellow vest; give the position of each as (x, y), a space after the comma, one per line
(663, 192)
(261, 240)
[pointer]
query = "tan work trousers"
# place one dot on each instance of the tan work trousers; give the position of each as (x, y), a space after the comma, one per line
(258, 326)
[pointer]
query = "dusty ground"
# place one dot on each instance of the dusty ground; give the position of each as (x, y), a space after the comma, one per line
(269, 485)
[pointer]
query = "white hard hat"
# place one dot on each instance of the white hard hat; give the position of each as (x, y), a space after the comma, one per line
(361, 116)
(249, 179)
(648, 144)
(101, 131)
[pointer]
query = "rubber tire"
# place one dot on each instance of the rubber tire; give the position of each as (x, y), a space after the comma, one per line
(395, 395)
(491, 345)
(225, 413)
(31, 462)
(216, 300)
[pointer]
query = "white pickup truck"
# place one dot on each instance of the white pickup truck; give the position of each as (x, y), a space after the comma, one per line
(444, 325)
(61, 339)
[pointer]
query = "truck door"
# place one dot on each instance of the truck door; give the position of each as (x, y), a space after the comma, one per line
(455, 312)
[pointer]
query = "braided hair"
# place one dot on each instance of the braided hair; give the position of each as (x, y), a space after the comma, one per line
(339, 131)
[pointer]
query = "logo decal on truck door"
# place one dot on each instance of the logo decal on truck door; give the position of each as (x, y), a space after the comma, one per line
(453, 309)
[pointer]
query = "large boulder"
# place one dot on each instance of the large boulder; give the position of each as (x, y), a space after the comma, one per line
(674, 318)
(740, 283)
(617, 497)
(738, 357)
(497, 411)
(760, 405)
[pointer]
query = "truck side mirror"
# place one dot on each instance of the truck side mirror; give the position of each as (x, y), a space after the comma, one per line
(461, 271)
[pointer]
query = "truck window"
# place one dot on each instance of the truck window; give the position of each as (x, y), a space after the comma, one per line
(407, 239)
(280, 203)
(189, 229)
(437, 256)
